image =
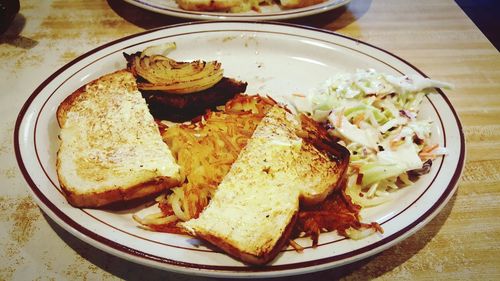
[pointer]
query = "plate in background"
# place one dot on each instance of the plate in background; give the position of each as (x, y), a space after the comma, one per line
(273, 12)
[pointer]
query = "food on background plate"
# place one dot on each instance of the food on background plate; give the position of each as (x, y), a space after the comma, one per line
(293, 4)
(180, 91)
(238, 6)
(232, 6)
(375, 116)
(111, 149)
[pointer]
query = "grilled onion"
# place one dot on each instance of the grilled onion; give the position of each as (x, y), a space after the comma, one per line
(165, 74)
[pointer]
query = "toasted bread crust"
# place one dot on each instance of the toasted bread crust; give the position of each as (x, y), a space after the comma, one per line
(101, 195)
(335, 157)
(103, 198)
(249, 258)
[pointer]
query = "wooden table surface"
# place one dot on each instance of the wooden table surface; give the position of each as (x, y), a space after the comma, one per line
(461, 243)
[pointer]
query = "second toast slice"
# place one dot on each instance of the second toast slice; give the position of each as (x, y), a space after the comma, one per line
(255, 206)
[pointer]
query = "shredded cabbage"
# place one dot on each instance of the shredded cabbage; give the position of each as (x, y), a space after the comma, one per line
(375, 117)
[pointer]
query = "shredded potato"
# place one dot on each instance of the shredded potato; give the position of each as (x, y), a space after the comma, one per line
(206, 148)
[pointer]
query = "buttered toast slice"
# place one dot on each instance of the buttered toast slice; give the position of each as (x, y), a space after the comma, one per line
(111, 148)
(254, 208)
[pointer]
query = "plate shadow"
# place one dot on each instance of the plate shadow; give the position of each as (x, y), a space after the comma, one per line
(12, 36)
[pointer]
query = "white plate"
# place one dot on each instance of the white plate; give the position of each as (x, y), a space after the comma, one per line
(275, 59)
(272, 12)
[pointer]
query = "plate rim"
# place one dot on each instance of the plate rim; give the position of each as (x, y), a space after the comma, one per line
(220, 16)
(133, 255)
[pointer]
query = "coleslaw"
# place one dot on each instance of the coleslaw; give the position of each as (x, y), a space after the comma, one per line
(374, 115)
